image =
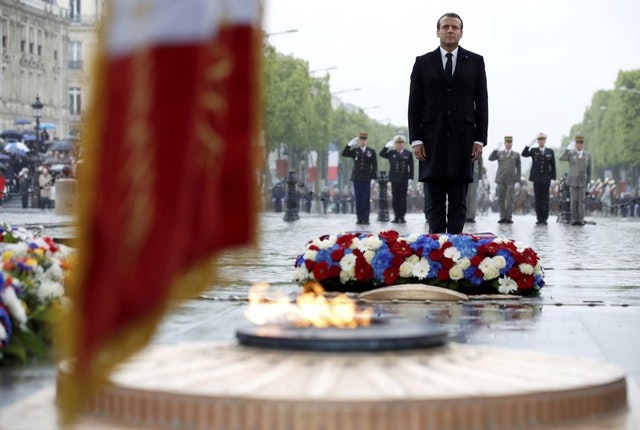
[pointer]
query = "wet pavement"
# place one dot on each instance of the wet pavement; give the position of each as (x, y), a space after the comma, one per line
(590, 306)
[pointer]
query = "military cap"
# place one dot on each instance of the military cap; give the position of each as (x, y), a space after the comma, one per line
(541, 135)
(399, 138)
(363, 135)
(579, 138)
(508, 138)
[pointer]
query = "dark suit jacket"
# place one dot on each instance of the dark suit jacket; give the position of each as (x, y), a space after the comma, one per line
(365, 166)
(448, 115)
(400, 164)
(543, 164)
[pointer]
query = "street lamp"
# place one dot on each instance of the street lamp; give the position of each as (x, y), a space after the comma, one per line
(37, 114)
(293, 30)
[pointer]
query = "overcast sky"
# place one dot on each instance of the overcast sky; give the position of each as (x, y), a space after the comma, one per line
(545, 58)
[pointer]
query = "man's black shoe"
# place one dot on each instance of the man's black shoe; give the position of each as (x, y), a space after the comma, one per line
(502, 221)
(403, 221)
(395, 220)
(508, 221)
(541, 223)
(470, 220)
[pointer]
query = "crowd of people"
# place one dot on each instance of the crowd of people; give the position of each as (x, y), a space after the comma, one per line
(29, 174)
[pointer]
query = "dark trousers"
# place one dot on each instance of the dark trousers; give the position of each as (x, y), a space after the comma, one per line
(362, 190)
(445, 203)
(399, 199)
(541, 197)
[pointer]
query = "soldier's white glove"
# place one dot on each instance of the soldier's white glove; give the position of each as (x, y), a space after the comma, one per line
(498, 146)
(534, 141)
(390, 144)
(571, 146)
(353, 141)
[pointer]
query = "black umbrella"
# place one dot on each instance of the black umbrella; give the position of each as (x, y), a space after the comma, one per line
(62, 145)
(11, 135)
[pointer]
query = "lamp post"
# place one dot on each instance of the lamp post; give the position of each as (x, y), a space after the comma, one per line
(37, 114)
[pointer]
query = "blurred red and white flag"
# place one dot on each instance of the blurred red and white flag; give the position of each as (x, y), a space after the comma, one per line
(332, 163)
(167, 173)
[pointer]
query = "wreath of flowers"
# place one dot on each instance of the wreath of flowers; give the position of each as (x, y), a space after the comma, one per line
(33, 275)
(472, 264)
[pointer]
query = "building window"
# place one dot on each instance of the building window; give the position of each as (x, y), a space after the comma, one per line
(75, 55)
(55, 54)
(75, 101)
(39, 49)
(23, 45)
(4, 41)
(31, 48)
(74, 10)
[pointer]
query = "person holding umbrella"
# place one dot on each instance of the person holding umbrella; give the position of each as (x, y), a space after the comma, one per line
(23, 185)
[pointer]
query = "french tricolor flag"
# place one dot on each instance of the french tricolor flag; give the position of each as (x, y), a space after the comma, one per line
(167, 178)
(332, 163)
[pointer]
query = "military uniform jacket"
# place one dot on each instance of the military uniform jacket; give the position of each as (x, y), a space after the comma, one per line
(448, 114)
(543, 166)
(400, 164)
(365, 166)
(579, 168)
(508, 166)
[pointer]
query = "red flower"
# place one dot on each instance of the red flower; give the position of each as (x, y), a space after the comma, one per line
(476, 260)
(436, 255)
(321, 271)
(443, 274)
(363, 271)
(390, 275)
(447, 263)
(334, 271)
(390, 236)
(308, 264)
(344, 241)
(337, 254)
(401, 248)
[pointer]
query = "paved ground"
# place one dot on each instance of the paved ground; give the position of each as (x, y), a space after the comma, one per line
(590, 307)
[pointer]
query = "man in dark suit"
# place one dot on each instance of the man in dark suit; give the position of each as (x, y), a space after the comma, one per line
(365, 168)
(448, 121)
(400, 171)
(543, 170)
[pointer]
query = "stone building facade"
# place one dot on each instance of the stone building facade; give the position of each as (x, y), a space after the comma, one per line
(45, 51)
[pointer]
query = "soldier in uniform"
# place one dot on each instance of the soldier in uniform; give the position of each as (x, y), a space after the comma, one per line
(400, 172)
(578, 178)
(543, 170)
(365, 168)
(506, 177)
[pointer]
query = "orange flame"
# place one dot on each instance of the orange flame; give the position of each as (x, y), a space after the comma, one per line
(311, 308)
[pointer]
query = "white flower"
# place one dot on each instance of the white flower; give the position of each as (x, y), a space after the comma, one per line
(50, 291)
(55, 272)
(300, 274)
(348, 263)
(3, 333)
(443, 239)
(421, 268)
(456, 273)
(346, 277)
(406, 269)
(14, 305)
(452, 253)
(310, 254)
(413, 237)
(507, 285)
(372, 243)
(413, 259)
(499, 262)
(355, 243)
(368, 255)
(489, 269)
(525, 268)
(325, 243)
(464, 263)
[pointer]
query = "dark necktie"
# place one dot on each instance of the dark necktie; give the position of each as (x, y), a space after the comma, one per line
(448, 68)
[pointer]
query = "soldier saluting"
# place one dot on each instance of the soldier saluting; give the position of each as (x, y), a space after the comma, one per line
(543, 170)
(506, 177)
(365, 168)
(400, 171)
